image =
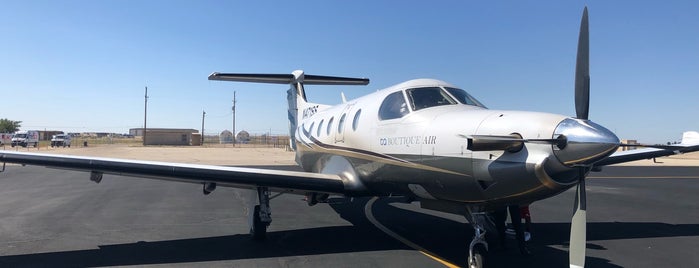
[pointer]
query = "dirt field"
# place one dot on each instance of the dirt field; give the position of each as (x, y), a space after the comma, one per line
(219, 155)
(181, 154)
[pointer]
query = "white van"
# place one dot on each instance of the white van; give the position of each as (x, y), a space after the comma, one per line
(60, 140)
(26, 138)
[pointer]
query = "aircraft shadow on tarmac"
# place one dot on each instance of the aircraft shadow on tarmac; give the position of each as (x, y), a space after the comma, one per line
(444, 237)
(448, 239)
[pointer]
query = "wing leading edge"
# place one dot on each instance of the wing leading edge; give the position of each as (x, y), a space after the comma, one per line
(223, 176)
(646, 153)
(690, 143)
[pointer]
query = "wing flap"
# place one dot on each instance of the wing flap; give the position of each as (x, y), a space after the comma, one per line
(224, 176)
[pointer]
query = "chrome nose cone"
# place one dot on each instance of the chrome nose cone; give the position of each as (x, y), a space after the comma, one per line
(585, 142)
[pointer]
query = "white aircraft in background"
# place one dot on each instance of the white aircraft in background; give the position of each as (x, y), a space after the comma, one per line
(690, 138)
(424, 139)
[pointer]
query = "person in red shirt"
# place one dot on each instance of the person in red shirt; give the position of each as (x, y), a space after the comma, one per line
(500, 216)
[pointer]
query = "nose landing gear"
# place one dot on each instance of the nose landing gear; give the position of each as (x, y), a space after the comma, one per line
(478, 248)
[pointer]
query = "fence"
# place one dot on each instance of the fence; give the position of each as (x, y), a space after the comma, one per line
(254, 141)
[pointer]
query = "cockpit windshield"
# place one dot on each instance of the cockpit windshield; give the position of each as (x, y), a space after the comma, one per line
(464, 97)
(394, 105)
(426, 97)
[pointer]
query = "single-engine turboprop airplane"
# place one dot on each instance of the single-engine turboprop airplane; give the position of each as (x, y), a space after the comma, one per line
(424, 139)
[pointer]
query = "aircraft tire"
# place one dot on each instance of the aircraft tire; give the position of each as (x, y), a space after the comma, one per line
(479, 254)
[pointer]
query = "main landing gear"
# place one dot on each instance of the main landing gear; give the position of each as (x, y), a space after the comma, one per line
(261, 215)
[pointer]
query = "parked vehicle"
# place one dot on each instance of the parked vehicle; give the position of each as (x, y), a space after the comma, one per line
(60, 140)
(5, 138)
(26, 138)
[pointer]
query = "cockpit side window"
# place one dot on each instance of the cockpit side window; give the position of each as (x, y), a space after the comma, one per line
(393, 106)
(426, 97)
(464, 97)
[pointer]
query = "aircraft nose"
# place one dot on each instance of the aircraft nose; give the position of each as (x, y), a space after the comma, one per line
(585, 142)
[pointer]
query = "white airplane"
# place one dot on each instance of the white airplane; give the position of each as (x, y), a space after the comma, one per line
(424, 139)
(690, 138)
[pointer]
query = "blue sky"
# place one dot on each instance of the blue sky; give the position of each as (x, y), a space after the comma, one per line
(83, 65)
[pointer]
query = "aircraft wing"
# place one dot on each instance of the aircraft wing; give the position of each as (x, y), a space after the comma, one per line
(647, 153)
(239, 177)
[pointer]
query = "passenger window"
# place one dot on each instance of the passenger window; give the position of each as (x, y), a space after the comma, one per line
(355, 121)
(330, 125)
(310, 130)
(426, 97)
(341, 124)
(393, 106)
(320, 127)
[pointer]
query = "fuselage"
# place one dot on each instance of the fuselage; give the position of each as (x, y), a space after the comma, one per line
(412, 139)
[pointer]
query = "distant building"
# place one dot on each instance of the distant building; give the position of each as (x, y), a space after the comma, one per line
(243, 137)
(165, 136)
(196, 139)
(95, 134)
(225, 137)
(626, 148)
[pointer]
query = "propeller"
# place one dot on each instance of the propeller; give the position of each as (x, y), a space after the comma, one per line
(578, 226)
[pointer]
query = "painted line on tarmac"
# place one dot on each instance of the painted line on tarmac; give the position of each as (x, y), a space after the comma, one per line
(375, 222)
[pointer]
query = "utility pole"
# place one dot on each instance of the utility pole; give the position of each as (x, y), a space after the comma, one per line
(234, 119)
(203, 114)
(145, 116)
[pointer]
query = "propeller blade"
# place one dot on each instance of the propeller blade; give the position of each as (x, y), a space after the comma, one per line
(582, 70)
(578, 227)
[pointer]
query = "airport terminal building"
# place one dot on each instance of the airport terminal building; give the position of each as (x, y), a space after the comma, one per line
(165, 136)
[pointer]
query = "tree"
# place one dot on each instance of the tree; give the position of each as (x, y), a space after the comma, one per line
(9, 126)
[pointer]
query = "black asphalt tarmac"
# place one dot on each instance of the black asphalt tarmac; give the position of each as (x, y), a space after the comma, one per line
(637, 217)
